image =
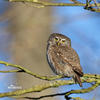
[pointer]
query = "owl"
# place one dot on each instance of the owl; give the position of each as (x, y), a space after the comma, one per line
(62, 58)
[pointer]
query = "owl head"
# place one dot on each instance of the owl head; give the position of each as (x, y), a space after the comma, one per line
(59, 40)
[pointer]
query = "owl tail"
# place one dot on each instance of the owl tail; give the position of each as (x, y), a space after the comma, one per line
(77, 79)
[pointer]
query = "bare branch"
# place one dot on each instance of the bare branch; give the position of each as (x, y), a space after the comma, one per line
(23, 69)
(87, 78)
(86, 5)
(83, 90)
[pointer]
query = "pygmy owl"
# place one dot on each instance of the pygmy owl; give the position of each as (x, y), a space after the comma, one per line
(62, 58)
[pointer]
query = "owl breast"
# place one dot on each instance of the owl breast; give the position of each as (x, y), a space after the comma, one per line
(57, 64)
(51, 62)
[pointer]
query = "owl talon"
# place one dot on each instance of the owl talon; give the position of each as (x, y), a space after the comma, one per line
(67, 98)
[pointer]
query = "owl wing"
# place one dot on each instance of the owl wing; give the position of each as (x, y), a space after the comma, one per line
(70, 56)
(78, 71)
(77, 67)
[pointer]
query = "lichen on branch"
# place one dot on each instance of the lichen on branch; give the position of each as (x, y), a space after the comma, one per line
(88, 6)
(51, 83)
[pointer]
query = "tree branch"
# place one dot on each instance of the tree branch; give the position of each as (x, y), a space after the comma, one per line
(10, 71)
(83, 90)
(86, 5)
(87, 78)
(54, 84)
(23, 69)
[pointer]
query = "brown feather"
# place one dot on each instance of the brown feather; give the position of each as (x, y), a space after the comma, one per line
(63, 59)
(78, 71)
(77, 79)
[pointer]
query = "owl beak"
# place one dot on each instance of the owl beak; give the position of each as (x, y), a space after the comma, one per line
(58, 43)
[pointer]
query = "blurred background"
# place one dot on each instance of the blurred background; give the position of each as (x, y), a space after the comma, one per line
(24, 31)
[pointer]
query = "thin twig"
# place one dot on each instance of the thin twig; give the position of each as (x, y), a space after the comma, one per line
(53, 4)
(83, 90)
(29, 72)
(86, 5)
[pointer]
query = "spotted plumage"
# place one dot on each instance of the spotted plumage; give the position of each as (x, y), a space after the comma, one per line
(62, 58)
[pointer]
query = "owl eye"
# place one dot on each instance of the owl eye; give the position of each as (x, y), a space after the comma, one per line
(63, 40)
(56, 38)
